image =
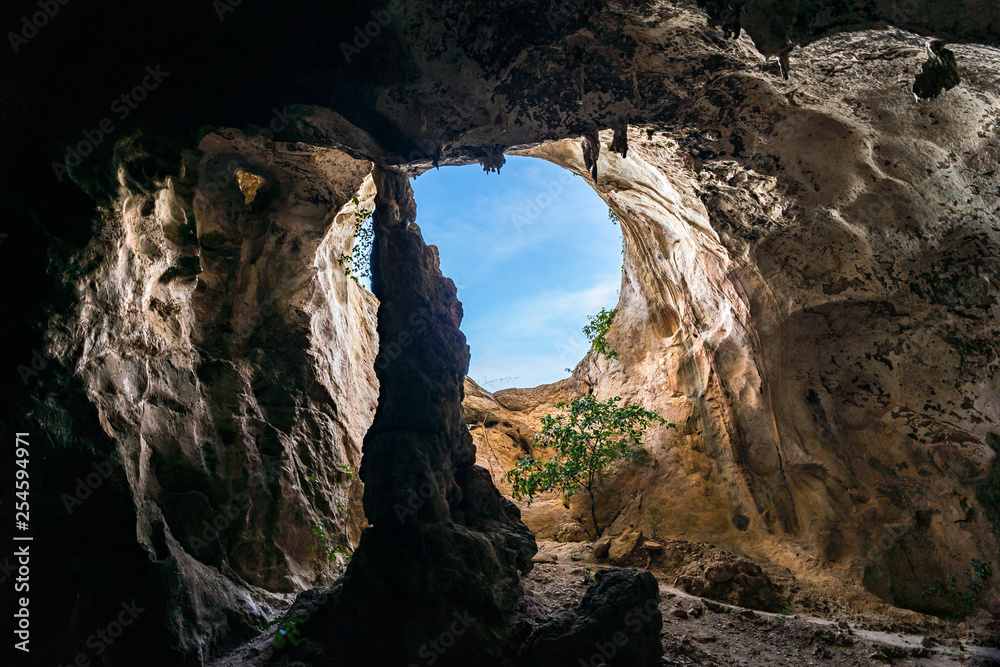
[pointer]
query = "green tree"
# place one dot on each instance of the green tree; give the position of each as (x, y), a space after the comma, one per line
(589, 441)
(598, 325)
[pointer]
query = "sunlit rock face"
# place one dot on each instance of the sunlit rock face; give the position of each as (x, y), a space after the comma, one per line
(810, 292)
(230, 361)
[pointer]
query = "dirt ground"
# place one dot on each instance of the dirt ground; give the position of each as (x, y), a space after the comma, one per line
(807, 631)
(807, 627)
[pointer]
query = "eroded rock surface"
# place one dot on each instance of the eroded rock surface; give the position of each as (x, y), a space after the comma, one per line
(229, 362)
(803, 326)
(617, 623)
(444, 551)
(734, 580)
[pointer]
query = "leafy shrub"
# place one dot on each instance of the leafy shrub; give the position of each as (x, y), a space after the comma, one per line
(962, 598)
(655, 516)
(595, 329)
(325, 545)
(590, 441)
(288, 630)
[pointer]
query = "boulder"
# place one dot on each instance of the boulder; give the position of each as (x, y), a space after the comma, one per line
(624, 546)
(653, 547)
(618, 622)
(602, 546)
(720, 573)
(731, 579)
(571, 531)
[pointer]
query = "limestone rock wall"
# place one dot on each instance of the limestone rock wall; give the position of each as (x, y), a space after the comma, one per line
(811, 293)
(230, 362)
(442, 547)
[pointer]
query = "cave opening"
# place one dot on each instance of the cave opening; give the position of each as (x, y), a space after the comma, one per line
(534, 253)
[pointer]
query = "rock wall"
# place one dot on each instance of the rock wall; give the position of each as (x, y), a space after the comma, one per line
(444, 551)
(230, 362)
(810, 291)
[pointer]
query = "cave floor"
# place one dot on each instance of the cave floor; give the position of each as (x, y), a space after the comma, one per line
(816, 630)
(699, 631)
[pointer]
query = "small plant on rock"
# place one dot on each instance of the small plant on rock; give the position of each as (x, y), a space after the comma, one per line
(963, 598)
(596, 328)
(325, 545)
(591, 440)
(288, 630)
(655, 516)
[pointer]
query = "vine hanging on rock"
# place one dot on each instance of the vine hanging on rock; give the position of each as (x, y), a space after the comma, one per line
(357, 262)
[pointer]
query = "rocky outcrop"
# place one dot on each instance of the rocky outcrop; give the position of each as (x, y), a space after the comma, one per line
(444, 551)
(618, 622)
(229, 362)
(734, 580)
(803, 326)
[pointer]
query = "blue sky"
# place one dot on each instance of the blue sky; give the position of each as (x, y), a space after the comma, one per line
(532, 252)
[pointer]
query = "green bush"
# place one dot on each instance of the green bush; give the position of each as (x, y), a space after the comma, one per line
(655, 516)
(288, 630)
(595, 329)
(962, 598)
(590, 441)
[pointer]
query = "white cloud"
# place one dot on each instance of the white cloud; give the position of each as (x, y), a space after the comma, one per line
(555, 312)
(533, 254)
